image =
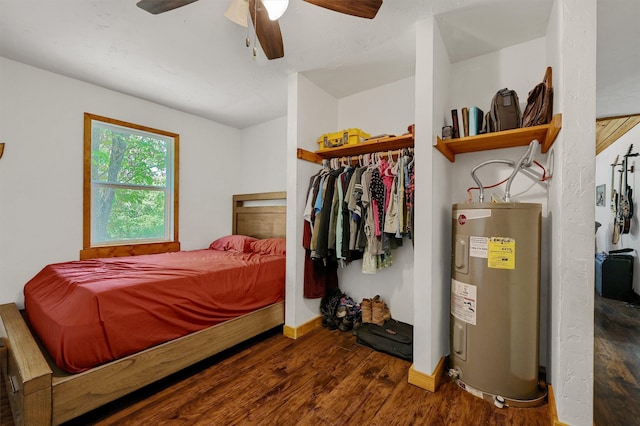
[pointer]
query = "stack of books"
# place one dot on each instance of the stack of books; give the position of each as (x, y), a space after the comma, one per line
(472, 122)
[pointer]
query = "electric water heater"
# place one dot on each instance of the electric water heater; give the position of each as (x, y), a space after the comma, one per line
(495, 299)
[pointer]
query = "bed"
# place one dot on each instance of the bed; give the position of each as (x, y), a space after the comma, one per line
(42, 393)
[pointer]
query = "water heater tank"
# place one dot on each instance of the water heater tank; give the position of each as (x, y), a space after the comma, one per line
(495, 299)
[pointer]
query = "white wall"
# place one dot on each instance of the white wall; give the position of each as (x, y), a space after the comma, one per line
(571, 41)
(518, 67)
(41, 122)
(433, 189)
(603, 214)
(387, 109)
(311, 111)
(262, 159)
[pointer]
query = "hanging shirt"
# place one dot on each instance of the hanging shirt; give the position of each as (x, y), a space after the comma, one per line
(377, 192)
(341, 185)
(322, 241)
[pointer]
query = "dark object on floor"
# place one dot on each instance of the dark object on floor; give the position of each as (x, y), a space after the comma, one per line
(633, 300)
(393, 337)
(614, 275)
(328, 308)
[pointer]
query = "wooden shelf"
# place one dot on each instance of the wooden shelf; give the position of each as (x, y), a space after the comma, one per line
(375, 145)
(545, 134)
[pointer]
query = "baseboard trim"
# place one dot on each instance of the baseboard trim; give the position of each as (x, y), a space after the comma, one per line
(425, 381)
(553, 412)
(301, 330)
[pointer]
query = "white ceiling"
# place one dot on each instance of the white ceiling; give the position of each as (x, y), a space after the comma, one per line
(193, 59)
(618, 58)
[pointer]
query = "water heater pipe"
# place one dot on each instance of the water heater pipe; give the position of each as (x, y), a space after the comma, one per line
(525, 161)
(522, 165)
(475, 178)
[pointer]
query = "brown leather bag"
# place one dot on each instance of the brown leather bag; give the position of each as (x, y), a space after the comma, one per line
(539, 108)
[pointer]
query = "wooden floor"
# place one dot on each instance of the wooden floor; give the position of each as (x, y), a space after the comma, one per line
(322, 378)
(616, 363)
(325, 378)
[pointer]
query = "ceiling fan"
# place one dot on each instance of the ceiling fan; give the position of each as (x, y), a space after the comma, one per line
(262, 16)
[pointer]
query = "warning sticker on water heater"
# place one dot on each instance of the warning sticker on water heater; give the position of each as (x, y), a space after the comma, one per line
(478, 247)
(463, 301)
(502, 253)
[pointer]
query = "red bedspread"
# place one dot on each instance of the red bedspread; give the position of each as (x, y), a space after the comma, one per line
(93, 311)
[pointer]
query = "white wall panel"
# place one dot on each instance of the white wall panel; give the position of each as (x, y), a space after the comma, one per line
(41, 122)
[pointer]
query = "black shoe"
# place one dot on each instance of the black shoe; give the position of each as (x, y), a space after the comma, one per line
(346, 324)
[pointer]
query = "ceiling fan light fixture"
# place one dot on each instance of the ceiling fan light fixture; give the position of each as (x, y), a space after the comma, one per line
(275, 8)
(238, 12)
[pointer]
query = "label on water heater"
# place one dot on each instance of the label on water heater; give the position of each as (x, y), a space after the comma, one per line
(478, 247)
(463, 301)
(465, 215)
(502, 253)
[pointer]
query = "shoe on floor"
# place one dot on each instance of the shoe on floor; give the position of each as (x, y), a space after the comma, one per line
(379, 311)
(365, 309)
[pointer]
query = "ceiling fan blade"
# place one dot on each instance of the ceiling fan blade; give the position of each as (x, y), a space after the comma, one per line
(268, 31)
(360, 8)
(161, 6)
(237, 12)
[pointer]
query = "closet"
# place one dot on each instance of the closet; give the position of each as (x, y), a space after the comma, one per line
(358, 207)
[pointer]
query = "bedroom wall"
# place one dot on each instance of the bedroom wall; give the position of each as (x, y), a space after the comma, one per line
(604, 215)
(262, 158)
(41, 122)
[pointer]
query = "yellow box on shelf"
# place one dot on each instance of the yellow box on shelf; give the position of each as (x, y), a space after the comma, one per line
(341, 138)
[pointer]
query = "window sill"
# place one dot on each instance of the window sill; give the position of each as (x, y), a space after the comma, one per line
(129, 250)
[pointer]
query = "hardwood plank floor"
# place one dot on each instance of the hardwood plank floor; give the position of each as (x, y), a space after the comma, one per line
(616, 363)
(322, 378)
(327, 378)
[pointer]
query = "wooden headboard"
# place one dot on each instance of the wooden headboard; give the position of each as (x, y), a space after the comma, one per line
(261, 215)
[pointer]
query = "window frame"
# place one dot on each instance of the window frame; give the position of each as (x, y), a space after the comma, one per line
(125, 249)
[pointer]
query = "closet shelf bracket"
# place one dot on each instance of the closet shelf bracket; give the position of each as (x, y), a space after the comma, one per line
(312, 157)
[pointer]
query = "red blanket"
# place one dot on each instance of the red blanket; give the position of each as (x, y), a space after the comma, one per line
(93, 311)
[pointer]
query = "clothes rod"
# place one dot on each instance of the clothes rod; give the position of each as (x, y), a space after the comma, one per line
(315, 158)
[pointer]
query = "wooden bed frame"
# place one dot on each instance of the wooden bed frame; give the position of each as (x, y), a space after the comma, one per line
(41, 394)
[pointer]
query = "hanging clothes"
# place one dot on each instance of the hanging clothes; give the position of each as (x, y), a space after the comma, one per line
(409, 196)
(355, 213)
(319, 277)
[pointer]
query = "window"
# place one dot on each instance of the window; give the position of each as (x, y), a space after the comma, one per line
(130, 189)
